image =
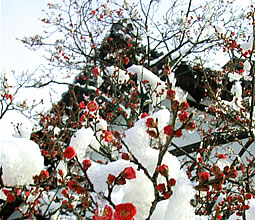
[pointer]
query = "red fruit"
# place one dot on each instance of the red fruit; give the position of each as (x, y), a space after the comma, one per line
(167, 195)
(168, 130)
(204, 188)
(246, 207)
(230, 198)
(226, 169)
(92, 106)
(178, 133)
(163, 170)
(72, 185)
(219, 178)
(129, 173)
(108, 136)
(95, 71)
(86, 164)
(150, 123)
(125, 211)
(116, 134)
(107, 214)
(240, 199)
(232, 173)
(144, 115)
(239, 213)
(217, 187)
(82, 105)
(222, 156)
(204, 176)
(248, 196)
(200, 159)
(171, 182)
(110, 179)
(69, 152)
(61, 173)
(190, 126)
(161, 187)
(215, 169)
(80, 190)
(152, 133)
(183, 106)
(124, 156)
(170, 94)
(65, 193)
(11, 197)
(126, 60)
(121, 181)
(183, 116)
(234, 44)
(44, 174)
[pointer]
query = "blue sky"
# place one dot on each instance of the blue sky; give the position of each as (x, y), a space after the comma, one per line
(20, 18)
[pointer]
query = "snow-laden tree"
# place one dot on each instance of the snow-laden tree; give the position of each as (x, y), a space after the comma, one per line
(148, 84)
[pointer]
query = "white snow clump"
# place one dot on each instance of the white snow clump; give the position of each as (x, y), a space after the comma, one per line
(138, 142)
(141, 197)
(158, 86)
(80, 141)
(120, 74)
(20, 160)
(98, 173)
(16, 125)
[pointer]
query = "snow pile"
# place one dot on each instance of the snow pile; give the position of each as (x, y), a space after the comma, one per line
(130, 193)
(80, 141)
(234, 77)
(178, 206)
(141, 197)
(138, 141)
(137, 135)
(120, 74)
(101, 125)
(98, 173)
(16, 125)
(158, 87)
(20, 160)
(56, 130)
(180, 200)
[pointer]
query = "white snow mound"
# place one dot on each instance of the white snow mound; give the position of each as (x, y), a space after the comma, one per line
(20, 160)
